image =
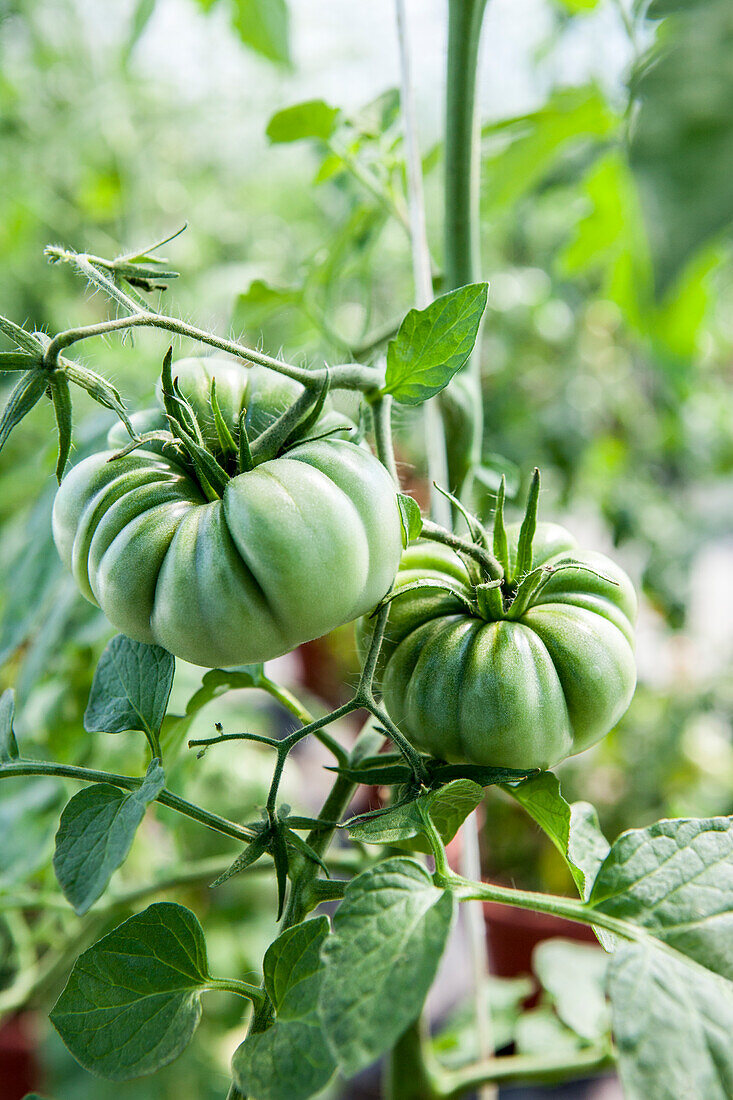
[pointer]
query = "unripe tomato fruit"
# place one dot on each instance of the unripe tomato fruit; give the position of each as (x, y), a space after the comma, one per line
(522, 692)
(293, 548)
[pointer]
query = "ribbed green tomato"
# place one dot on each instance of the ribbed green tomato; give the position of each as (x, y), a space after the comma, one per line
(525, 690)
(294, 548)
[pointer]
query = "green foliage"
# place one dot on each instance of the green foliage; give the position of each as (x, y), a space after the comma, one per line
(291, 1060)
(672, 1022)
(410, 518)
(131, 1003)
(675, 878)
(8, 744)
(130, 690)
(402, 825)
(95, 834)
(573, 829)
(573, 974)
(389, 934)
(312, 119)
(433, 343)
(682, 141)
(262, 25)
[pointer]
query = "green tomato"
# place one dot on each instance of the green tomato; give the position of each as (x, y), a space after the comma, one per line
(294, 548)
(522, 691)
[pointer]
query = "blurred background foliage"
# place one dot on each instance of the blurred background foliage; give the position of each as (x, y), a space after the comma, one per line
(607, 360)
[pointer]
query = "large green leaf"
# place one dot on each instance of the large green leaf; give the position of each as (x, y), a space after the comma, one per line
(681, 148)
(130, 689)
(676, 879)
(95, 834)
(291, 1060)
(433, 343)
(672, 1025)
(389, 935)
(131, 1003)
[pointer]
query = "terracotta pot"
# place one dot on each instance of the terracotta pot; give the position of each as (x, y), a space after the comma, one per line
(19, 1071)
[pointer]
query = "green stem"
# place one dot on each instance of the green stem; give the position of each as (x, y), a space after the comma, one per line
(409, 1074)
(350, 376)
(382, 415)
(452, 1085)
(233, 985)
(301, 712)
(484, 557)
(128, 783)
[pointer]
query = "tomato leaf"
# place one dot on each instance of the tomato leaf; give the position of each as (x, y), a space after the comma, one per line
(250, 855)
(675, 878)
(131, 1004)
(291, 1060)
(433, 343)
(390, 932)
(312, 119)
(410, 518)
(8, 745)
(95, 834)
(574, 976)
(672, 1023)
(131, 687)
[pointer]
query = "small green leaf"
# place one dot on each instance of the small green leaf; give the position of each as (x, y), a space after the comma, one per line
(130, 690)
(218, 681)
(291, 1060)
(132, 1002)
(62, 409)
(672, 1023)
(264, 26)
(8, 745)
(410, 518)
(676, 879)
(99, 389)
(573, 829)
(433, 343)
(28, 391)
(501, 548)
(389, 935)
(448, 807)
(95, 834)
(311, 119)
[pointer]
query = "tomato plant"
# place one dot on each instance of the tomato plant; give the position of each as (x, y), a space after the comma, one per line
(245, 514)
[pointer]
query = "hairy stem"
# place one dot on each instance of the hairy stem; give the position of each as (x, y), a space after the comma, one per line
(129, 783)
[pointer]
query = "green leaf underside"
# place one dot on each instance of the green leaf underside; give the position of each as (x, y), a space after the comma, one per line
(433, 343)
(573, 829)
(131, 1003)
(8, 745)
(291, 1060)
(130, 689)
(448, 807)
(676, 879)
(672, 1026)
(95, 834)
(312, 119)
(389, 935)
